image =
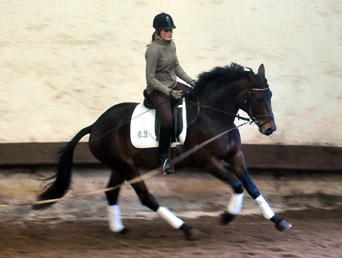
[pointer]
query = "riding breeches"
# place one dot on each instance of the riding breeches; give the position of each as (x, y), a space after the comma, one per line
(162, 103)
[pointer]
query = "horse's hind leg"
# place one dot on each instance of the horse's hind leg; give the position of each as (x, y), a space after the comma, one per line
(240, 169)
(148, 200)
(113, 208)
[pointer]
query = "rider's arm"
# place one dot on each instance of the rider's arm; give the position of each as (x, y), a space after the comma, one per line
(152, 57)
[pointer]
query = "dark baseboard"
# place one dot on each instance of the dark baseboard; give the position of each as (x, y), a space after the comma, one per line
(256, 155)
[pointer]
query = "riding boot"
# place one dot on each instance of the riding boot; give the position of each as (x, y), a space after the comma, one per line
(164, 150)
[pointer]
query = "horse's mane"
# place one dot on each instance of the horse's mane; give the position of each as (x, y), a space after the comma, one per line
(217, 75)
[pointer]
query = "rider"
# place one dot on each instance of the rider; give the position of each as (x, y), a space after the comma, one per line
(162, 70)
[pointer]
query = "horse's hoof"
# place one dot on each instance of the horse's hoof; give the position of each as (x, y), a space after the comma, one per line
(226, 218)
(192, 234)
(189, 233)
(124, 231)
(283, 225)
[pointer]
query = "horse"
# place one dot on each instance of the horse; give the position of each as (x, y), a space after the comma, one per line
(212, 106)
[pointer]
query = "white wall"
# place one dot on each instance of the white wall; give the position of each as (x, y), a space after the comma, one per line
(63, 63)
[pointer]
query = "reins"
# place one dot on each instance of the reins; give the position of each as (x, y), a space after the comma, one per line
(250, 112)
(199, 106)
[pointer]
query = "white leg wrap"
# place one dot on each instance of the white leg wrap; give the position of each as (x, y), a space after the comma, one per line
(264, 207)
(169, 217)
(235, 204)
(114, 218)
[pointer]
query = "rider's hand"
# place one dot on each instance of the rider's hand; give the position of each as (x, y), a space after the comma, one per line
(176, 94)
(193, 83)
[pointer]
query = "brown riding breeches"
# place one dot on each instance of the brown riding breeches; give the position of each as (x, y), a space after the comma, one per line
(162, 103)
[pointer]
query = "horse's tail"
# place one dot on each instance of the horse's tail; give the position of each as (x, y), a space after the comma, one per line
(57, 189)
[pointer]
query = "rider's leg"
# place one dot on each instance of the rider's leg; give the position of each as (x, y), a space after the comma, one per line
(164, 149)
(164, 112)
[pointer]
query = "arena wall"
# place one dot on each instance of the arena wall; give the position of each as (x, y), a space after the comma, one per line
(258, 156)
(63, 63)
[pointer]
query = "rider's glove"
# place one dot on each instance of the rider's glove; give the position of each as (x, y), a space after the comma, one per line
(176, 94)
(193, 83)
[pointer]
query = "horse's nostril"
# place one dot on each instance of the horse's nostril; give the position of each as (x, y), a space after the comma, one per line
(269, 131)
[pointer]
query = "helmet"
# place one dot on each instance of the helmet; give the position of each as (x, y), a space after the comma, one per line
(163, 21)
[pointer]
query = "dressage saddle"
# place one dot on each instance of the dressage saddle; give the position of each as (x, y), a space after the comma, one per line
(177, 110)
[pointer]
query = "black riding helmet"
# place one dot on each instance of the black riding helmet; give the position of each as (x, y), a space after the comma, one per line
(163, 21)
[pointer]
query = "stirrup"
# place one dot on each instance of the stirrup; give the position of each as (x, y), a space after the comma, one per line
(167, 167)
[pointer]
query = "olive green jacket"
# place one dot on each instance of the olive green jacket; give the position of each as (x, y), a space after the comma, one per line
(162, 66)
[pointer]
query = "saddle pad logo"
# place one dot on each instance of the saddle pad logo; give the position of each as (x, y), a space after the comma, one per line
(142, 130)
(143, 134)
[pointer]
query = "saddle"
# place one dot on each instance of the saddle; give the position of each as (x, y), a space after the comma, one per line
(145, 124)
(177, 110)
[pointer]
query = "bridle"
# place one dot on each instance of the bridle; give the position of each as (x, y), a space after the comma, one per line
(247, 103)
(199, 106)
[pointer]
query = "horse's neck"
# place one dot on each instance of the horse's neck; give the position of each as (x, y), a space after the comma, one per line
(220, 103)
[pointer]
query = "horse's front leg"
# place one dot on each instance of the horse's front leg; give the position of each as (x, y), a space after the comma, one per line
(239, 167)
(218, 169)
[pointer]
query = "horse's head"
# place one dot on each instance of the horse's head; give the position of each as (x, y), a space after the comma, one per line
(242, 89)
(257, 102)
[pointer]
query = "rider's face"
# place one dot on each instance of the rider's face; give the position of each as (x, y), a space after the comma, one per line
(166, 34)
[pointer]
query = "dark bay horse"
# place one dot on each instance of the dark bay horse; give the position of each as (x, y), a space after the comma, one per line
(212, 107)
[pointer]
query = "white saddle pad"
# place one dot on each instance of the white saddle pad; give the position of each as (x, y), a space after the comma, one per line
(143, 127)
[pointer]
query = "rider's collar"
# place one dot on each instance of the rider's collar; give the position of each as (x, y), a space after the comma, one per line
(162, 41)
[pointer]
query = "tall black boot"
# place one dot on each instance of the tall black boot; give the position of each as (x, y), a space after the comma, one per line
(164, 150)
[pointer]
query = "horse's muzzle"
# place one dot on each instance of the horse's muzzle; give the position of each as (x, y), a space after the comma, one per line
(268, 128)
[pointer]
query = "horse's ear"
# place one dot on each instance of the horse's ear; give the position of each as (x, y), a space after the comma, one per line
(261, 70)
